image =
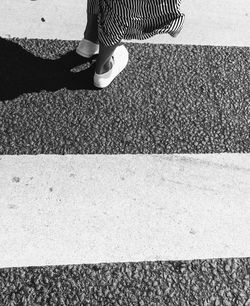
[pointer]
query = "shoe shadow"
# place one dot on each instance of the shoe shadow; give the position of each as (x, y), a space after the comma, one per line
(22, 72)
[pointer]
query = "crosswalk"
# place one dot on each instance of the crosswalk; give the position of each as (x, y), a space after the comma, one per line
(219, 23)
(124, 208)
(75, 209)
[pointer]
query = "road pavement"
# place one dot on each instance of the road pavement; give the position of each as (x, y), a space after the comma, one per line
(169, 99)
(175, 100)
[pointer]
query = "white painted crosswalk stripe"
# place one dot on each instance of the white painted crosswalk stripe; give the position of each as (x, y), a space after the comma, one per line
(97, 208)
(208, 22)
(91, 209)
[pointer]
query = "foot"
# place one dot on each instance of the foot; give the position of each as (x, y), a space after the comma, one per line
(106, 67)
(120, 60)
(87, 48)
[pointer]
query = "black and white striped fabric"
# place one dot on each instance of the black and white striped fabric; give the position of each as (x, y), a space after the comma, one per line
(135, 19)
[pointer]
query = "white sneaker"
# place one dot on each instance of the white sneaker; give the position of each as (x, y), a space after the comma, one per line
(87, 48)
(120, 60)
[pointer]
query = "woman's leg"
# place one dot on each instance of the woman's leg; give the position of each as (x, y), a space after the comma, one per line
(91, 30)
(104, 61)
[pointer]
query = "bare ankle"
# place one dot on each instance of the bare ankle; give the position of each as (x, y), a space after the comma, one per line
(106, 67)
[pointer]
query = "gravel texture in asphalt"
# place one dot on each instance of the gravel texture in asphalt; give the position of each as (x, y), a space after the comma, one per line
(221, 282)
(169, 99)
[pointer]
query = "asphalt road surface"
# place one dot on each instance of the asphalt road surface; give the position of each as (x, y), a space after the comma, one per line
(208, 282)
(170, 99)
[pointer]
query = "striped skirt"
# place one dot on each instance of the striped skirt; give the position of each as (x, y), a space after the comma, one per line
(135, 19)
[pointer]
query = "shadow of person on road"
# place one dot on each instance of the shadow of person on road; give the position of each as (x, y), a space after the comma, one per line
(22, 72)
